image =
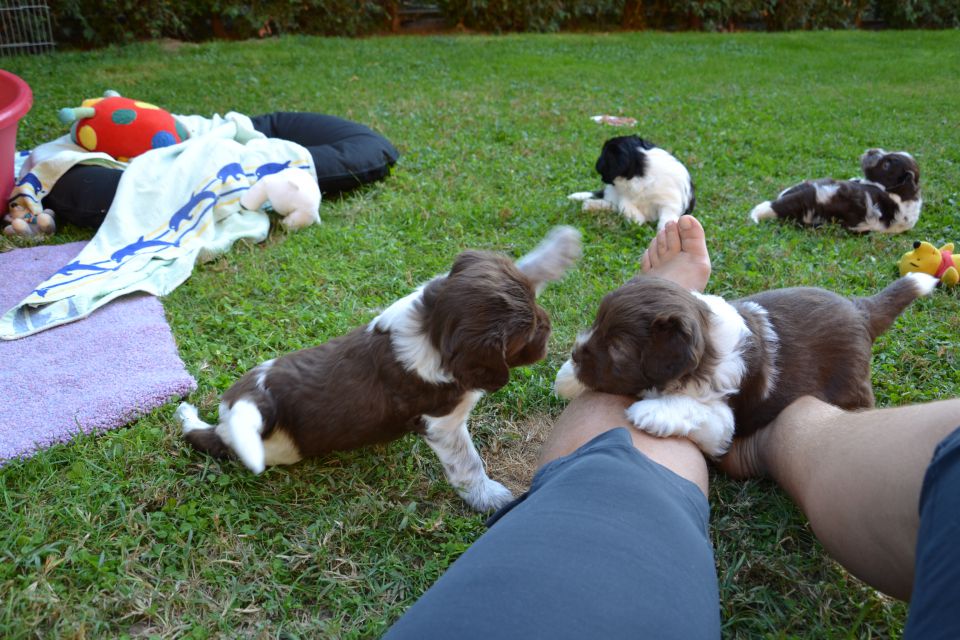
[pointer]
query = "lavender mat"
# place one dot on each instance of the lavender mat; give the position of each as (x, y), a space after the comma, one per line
(95, 374)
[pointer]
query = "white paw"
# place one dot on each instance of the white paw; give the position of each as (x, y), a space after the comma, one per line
(658, 418)
(580, 196)
(487, 495)
(632, 214)
(567, 385)
(595, 204)
(186, 415)
(762, 211)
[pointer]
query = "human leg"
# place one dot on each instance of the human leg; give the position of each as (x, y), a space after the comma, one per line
(607, 543)
(857, 476)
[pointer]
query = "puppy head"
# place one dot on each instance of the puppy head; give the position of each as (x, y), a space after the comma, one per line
(622, 157)
(483, 319)
(897, 171)
(648, 334)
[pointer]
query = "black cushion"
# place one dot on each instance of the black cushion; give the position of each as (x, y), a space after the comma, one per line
(345, 154)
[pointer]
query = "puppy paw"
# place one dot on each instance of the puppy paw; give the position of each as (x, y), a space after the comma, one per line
(595, 204)
(567, 385)
(762, 211)
(580, 196)
(632, 214)
(186, 415)
(659, 418)
(487, 495)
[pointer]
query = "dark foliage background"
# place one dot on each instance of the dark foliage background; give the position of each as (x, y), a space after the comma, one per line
(93, 23)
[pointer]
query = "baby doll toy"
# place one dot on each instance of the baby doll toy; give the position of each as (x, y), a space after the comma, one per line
(926, 258)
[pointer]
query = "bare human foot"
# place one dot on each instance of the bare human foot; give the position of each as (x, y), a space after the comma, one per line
(679, 254)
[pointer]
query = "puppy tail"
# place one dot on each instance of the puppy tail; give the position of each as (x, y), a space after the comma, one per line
(882, 309)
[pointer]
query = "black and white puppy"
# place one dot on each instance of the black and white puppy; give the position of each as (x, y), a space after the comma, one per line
(420, 366)
(644, 182)
(710, 369)
(887, 199)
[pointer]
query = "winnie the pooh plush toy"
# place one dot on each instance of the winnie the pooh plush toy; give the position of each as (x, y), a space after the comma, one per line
(926, 258)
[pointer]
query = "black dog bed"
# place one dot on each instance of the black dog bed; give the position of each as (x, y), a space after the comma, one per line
(345, 154)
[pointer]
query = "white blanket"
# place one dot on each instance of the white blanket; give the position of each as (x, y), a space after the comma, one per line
(173, 205)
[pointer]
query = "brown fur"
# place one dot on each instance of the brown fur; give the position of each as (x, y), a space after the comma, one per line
(653, 334)
(352, 391)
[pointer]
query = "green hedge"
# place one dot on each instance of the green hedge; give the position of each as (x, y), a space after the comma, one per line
(101, 22)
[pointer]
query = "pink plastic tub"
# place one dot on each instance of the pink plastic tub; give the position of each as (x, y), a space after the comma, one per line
(15, 100)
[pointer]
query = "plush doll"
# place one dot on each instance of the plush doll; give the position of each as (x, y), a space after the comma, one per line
(20, 221)
(926, 258)
(293, 194)
(121, 127)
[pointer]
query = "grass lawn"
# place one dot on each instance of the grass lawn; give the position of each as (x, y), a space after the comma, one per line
(129, 533)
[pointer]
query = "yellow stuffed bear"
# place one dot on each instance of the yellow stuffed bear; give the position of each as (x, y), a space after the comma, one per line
(926, 258)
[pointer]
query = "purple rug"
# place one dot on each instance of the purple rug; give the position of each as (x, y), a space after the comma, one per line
(88, 376)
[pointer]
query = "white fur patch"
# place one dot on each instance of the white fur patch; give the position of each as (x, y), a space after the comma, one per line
(923, 282)
(771, 346)
(762, 211)
(826, 192)
(410, 344)
(262, 371)
(728, 332)
(567, 384)
(449, 438)
(240, 427)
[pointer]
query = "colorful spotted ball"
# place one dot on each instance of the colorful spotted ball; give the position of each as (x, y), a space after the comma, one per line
(122, 127)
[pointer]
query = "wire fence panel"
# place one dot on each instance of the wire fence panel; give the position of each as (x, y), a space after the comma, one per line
(25, 27)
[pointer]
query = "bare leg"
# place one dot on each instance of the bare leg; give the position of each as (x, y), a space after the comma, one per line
(590, 414)
(856, 475)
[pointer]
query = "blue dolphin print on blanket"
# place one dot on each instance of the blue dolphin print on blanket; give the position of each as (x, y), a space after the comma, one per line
(79, 266)
(271, 167)
(184, 212)
(33, 181)
(134, 247)
(233, 170)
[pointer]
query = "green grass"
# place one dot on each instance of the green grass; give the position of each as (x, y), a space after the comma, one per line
(129, 533)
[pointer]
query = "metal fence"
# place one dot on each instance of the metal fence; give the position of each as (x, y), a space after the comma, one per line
(25, 27)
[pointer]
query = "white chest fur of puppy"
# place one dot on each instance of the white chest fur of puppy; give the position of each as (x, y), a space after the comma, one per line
(643, 182)
(420, 366)
(710, 369)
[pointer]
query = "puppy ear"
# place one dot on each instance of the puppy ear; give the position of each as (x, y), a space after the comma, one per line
(476, 365)
(676, 348)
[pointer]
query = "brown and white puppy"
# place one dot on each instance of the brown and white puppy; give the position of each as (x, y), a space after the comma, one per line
(887, 199)
(704, 367)
(419, 366)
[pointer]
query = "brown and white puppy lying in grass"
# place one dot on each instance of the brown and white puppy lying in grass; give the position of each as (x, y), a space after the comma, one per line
(419, 366)
(710, 369)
